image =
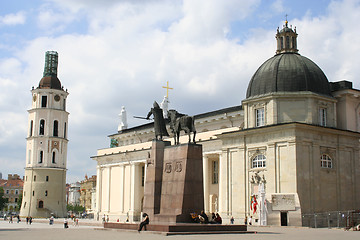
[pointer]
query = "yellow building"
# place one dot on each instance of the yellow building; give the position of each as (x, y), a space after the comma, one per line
(87, 188)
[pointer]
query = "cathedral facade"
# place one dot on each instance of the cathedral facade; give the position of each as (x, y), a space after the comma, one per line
(290, 149)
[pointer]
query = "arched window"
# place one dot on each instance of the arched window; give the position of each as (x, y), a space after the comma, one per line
(281, 43)
(326, 161)
(41, 204)
(41, 156)
(47, 178)
(287, 42)
(55, 130)
(259, 161)
(46, 193)
(31, 128)
(42, 127)
(53, 157)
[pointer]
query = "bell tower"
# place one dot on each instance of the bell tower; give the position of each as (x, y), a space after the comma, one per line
(46, 146)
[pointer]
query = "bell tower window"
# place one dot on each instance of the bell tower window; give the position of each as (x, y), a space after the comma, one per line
(41, 156)
(43, 101)
(31, 128)
(55, 130)
(65, 130)
(53, 157)
(42, 127)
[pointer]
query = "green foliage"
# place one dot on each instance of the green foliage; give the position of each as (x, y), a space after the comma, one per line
(19, 202)
(3, 200)
(75, 208)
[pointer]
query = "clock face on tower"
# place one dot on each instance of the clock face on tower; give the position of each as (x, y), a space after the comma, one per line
(57, 98)
(34, 98)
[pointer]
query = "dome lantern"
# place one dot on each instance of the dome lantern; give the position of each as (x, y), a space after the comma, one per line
(286, 39)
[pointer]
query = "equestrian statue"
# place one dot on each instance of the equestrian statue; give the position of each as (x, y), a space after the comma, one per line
(178, 122)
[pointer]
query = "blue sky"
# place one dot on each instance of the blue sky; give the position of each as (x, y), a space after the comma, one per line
(120, 53)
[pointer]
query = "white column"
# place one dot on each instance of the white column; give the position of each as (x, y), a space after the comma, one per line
(223, 184)
(98, 191)
(109, 187)
(206, 182)
(132, 188)
(262, 209)
(122, 187)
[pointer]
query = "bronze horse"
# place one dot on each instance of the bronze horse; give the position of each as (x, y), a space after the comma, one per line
(178, 122)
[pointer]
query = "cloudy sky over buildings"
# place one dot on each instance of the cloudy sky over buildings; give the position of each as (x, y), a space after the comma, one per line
(120, 53)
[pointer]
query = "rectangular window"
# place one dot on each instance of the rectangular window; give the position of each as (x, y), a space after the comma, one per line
(287, 42)
(43, 101)
(322, 117)
(31, 128)
(142, 176)
(260, 117)
(29, 157)
(41, 156)
(215, 172)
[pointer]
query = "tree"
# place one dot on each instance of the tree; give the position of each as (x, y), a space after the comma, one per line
(19, 202)
(75, 208)
(3, 200)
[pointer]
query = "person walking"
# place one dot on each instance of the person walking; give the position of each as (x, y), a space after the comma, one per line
(66, 223)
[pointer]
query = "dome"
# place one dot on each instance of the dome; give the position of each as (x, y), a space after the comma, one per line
(50, 82)
(288, 72)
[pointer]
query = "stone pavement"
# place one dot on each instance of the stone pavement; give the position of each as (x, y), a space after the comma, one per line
(43, 231)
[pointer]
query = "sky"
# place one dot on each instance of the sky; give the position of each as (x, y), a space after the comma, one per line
(118, 53)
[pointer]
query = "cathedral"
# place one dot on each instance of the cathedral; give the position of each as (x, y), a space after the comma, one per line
(291, 149)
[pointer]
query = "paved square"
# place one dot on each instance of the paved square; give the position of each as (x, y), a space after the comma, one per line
(44, 231)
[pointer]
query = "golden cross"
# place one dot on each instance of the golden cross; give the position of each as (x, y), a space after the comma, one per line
(167, 89)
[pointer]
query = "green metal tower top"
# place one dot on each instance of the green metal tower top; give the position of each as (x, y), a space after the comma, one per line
(51, 64)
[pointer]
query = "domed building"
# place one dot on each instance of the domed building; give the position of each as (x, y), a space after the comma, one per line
(287, 156)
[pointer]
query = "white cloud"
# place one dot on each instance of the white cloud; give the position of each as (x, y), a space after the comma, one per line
(13, 19)
(131, 50)
(278, 6)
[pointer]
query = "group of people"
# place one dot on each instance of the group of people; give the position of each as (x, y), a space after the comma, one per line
(29, 220)
(11, 218)
(248, 220)
(203, 218)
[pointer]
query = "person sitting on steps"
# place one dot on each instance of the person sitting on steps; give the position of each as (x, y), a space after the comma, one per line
(144, 222)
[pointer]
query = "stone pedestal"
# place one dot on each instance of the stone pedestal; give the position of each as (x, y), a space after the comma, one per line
(181, 183)
(153, 180)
